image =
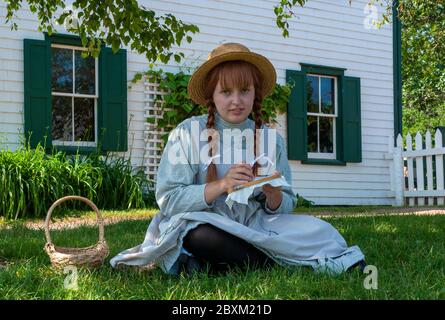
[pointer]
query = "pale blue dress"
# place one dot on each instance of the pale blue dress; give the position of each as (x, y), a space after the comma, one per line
(288, 238)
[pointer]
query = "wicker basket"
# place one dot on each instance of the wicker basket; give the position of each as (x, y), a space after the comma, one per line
(93, 256)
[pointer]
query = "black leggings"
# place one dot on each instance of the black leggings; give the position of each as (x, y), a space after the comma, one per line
(223, 250)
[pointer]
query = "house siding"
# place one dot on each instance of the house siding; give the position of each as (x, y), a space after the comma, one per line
(323, 33)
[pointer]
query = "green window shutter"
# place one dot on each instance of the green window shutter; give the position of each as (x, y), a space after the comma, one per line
(113, 100)
(297, 116)
(37, 90)
(352, 131)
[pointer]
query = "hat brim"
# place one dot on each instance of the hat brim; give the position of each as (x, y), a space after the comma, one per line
(196, 83)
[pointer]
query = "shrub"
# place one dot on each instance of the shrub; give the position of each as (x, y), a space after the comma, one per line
(302, 202)
(31, 180)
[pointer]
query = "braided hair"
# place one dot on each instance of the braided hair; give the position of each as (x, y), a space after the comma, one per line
(211, 169)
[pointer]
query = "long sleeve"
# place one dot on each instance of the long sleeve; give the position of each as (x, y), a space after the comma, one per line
(282, 165)
(176, 188)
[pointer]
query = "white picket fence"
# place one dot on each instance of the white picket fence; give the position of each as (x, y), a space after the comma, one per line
(417, 175)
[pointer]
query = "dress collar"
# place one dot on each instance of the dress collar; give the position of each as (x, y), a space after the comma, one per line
(220, 123)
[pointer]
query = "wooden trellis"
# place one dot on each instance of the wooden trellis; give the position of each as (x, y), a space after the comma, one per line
(154, 144)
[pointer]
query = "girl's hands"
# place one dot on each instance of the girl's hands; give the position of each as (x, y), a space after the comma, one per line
(273, 196)
(236, 175)
(242, 173)
(271, 191)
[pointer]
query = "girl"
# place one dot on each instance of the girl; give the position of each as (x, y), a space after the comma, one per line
(195, 226)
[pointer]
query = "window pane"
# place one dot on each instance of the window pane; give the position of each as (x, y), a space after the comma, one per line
(312, 130)
(84, 119)
(326, 135)
(85, 73)
(312, 94)
(62, 70)
(327, 95)
(62, 119)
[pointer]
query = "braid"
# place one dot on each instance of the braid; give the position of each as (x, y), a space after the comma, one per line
(211, 170)
(257, 112)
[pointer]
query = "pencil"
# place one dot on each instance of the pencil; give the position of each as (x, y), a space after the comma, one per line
(251, 183)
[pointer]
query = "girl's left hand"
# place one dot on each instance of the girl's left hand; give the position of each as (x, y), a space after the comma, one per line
(273, 196)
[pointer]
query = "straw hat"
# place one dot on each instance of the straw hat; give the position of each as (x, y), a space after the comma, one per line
(229, 52)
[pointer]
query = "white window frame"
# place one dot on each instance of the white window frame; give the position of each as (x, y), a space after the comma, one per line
(78, 95)
(325, 155)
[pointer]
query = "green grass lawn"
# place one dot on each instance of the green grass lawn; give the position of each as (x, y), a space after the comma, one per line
(408, 251)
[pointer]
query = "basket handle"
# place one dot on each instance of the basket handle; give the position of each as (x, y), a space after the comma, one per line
(88, 202)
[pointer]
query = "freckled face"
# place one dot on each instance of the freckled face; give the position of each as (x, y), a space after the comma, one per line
(234, 104)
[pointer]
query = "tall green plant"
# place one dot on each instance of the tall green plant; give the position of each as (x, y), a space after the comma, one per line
(31, 180)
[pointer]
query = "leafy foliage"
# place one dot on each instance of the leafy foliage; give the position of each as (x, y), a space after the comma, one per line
(276, 102)
(31, 180)
(304, 203)
(117, 23)
(177, 105)
(423, 65)
(283, 12)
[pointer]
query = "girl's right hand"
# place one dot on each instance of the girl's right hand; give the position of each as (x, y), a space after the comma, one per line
(236, 175)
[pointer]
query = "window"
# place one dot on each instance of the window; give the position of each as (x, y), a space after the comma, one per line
(74, 97)
(324, 117)
(74, 103)
(321, 116)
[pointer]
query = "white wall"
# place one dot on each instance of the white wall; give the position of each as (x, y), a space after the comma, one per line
(325, 32)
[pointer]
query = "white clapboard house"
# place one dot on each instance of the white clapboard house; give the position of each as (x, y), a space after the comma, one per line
(344, 107)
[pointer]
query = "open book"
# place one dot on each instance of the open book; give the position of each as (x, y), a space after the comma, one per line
(276, 175)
